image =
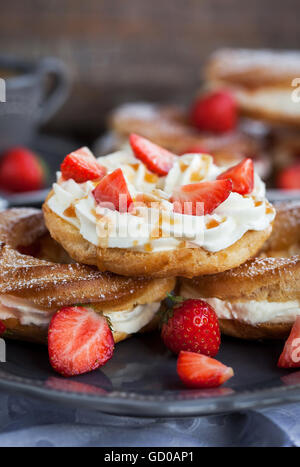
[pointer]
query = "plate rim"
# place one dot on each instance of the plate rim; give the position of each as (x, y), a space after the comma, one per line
(124, 403)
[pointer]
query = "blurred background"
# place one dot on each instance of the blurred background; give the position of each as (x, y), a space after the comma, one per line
(120, 50)
(117, 51)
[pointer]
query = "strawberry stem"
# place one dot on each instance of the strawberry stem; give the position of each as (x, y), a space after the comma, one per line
(168, 306)
(174, 298)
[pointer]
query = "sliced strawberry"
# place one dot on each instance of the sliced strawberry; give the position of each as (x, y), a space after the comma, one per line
(21, 170)
(199, 371)
(82, 166)
(2, 328)
(62, 384)
(155, 158)
(216, 111)
(211, 194)
(79, 341)
(242, 177)
(289, 179)
(290, 357)
(113, 190)
(195, 149)
(291, 378)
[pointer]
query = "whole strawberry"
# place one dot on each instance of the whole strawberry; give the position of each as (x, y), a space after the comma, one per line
(216, 111)
(191, 325)
(2, 328)
(289, 178)
(21, 170)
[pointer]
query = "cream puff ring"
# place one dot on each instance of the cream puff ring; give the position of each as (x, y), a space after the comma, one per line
(146, 211)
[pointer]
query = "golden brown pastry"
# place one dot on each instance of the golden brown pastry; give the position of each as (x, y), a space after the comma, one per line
(285, 238)
(169, 127)
(261, 80)
(153, 236)
(185, 261)
(32, 289)
(259, 299)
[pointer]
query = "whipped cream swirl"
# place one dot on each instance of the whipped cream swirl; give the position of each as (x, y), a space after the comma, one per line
(155, 226)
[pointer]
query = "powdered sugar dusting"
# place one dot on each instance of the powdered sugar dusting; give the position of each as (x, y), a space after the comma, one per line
(260, 266)
(48, 284)
(274, 63)
(138, 110)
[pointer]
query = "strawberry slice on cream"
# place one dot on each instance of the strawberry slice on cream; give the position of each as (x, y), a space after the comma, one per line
(201, 198)
(155, 158)
(113, 191)
(82, 166)
(242, 177)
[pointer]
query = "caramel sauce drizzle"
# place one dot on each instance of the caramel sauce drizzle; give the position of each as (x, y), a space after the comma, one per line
(150, 178)
(134, 166)
(196, 177)
(183, 166)
(211, 224)
(70, 211)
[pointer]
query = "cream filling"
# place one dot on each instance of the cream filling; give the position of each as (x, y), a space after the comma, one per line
(252, 311)
(25, 312)
(127, 321)
(274, 100)
(131, 321)
(158, 227)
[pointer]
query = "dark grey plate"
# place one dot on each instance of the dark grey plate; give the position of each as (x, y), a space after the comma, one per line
(141, 379)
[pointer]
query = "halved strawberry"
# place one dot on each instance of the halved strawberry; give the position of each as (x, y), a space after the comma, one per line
(211, 194)
(289, 178)
(195, 149)
(113, 190)
(2, 328)
(82, 166)
(79, 341)
(290, 357)
(155, 158)
(242, 177)
(199, 371)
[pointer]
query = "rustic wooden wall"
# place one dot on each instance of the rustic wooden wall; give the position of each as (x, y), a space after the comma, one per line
(132, 49)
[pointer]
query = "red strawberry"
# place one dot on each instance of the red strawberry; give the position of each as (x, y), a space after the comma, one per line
(62, 384)
(291, 378)
(191, 325)
(195, 149)
(289, 179)
(113, 190)
(156, 159)
(2, 328)
(187, 198)
(216, 111)
(290, 357)
(198, 371)
(242, 177)
(21, 170)
(79, 340)
(82, 166)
